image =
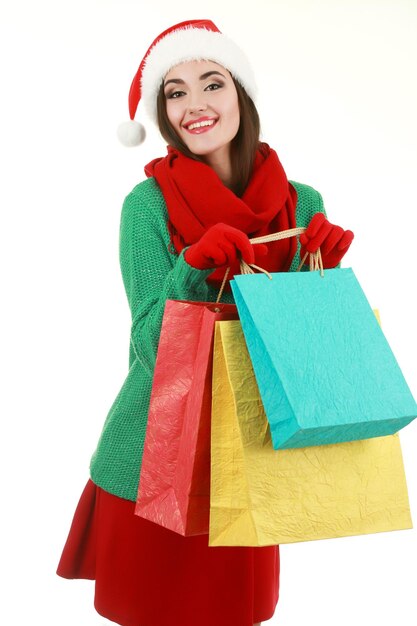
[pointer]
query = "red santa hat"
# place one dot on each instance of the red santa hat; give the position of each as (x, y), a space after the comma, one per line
(193, 40)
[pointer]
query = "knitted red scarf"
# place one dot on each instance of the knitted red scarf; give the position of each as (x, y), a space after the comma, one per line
(196, 199)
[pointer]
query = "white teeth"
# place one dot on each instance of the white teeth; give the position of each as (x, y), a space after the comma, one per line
(199, 124)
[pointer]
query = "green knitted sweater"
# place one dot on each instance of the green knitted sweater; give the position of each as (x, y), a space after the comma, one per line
(151, 275)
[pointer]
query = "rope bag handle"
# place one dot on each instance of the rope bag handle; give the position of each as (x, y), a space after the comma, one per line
(315, 259)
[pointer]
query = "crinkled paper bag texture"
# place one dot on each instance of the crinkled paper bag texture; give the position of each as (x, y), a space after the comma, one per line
(261, 496)
(325, 370)
(174, 485)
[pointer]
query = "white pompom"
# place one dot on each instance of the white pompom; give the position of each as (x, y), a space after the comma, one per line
(131, 133)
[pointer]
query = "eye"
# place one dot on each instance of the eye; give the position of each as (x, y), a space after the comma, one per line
(174, 94)
(215, 85)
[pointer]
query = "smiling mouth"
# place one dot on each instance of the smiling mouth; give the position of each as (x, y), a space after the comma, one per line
(201, 127)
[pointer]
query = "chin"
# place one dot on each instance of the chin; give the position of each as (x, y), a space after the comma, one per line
(206, 150)
(201, 152)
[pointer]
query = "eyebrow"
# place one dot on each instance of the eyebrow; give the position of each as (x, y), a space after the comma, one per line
(179, 81)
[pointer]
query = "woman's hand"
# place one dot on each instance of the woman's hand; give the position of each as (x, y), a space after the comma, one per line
(332, 240)
(221, 245)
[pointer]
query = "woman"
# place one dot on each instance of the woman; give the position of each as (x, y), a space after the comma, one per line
(180, 230)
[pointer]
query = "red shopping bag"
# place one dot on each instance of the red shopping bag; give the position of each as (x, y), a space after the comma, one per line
(174, 485)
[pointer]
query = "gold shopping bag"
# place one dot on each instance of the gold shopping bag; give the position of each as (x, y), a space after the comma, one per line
(261, 496)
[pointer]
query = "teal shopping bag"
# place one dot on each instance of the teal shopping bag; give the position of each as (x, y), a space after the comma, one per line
(325, 371)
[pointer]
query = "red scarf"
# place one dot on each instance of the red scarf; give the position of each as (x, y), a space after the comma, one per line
(196, 199)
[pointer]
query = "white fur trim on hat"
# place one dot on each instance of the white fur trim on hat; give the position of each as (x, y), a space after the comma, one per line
(192, 44)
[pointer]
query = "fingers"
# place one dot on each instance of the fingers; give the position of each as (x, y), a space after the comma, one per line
(227, 252)
(332, 240)
(242, 244)
(320, 233)
(346, 240)
(312, 230)
(216, 257)
(220, 245)
(313, 243)
(236, 251)
(260, 249)
(238, 246)
(314, 226)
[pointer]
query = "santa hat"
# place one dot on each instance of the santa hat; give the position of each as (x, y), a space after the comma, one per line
(193, 40)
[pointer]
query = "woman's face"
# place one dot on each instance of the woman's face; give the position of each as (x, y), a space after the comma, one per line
(202, 107)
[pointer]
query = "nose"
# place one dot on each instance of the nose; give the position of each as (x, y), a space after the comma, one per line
(194, 108)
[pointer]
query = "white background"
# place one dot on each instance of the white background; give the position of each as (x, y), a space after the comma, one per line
(338, 102)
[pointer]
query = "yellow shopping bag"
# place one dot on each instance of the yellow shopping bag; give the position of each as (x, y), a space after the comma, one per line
(261, 496)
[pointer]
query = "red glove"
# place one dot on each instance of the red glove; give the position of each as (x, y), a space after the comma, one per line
(221, 245)
(332, 240)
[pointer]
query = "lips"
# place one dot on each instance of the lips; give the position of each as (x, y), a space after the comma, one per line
(201, 129)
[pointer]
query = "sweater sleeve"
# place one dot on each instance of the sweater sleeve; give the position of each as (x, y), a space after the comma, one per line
(323, 210)
(151, 274)
(320, 209)
(309, 202)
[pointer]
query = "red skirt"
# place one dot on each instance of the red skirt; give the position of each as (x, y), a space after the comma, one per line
(146, 575)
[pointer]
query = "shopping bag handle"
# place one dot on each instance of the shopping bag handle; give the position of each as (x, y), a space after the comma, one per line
(315, 259)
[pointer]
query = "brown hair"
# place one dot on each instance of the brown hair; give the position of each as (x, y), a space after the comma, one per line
(243, 145)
